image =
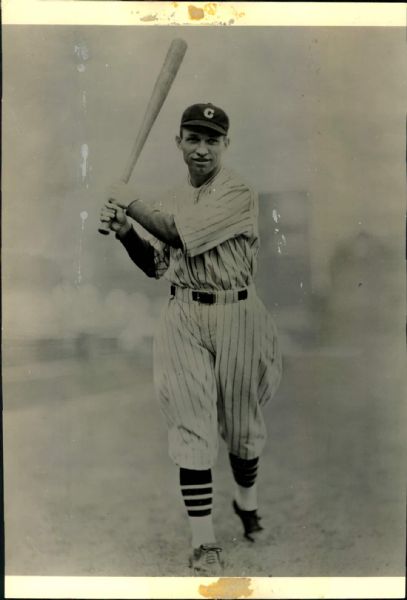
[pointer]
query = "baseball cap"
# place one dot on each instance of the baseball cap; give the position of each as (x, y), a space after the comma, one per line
(206, 115)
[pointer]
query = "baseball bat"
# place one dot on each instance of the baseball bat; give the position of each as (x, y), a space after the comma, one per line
(160, 91)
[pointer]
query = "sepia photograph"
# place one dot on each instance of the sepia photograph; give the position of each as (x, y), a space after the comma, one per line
(204, 303)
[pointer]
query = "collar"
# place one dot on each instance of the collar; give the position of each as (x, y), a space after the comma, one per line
(207, 182)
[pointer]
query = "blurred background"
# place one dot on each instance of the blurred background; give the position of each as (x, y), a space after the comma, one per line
(318, 128)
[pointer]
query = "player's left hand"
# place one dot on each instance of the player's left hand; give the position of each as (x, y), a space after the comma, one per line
(114, 217)
(121, 194)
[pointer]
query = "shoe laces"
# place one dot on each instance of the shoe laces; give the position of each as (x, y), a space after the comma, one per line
(211, 553)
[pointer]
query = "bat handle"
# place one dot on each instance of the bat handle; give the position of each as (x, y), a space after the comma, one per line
(104, 229)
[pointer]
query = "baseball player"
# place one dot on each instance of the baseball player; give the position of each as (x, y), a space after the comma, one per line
(216, 355)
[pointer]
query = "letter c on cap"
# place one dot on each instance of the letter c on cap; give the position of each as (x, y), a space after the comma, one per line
(208, 113)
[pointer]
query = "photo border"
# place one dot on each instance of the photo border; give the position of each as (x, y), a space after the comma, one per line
(198, 14)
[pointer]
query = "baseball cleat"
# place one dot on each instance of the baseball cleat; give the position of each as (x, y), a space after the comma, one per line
(250, 520)
(206, 561)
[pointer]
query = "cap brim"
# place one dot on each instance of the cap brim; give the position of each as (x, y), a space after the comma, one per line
(206, 125)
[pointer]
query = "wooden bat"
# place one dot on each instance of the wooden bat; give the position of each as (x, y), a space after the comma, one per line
(161, 89)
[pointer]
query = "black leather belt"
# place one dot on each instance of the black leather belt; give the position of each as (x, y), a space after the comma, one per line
(209, 297)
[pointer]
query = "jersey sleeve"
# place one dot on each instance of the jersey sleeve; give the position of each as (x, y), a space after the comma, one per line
(150, 255)
(161, 251)
(212, 221)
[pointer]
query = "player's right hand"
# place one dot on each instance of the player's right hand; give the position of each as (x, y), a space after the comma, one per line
(115, 217)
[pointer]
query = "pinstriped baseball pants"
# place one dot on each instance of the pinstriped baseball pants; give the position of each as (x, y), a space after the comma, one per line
(215, 367)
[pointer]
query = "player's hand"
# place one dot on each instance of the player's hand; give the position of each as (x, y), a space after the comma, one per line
(122, 194)
(115, 217)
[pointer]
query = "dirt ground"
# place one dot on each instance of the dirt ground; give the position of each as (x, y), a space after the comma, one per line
(90, 490)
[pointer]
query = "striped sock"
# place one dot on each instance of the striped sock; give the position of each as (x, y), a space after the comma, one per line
(245, 473)
(196, 489)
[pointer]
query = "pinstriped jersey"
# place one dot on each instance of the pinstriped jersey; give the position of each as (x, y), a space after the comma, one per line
(218, 227)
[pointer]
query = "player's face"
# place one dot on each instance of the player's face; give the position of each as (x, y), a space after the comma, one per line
(202, 150)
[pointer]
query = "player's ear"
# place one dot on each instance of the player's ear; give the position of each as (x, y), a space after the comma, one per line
(226, 141)
(178, 140)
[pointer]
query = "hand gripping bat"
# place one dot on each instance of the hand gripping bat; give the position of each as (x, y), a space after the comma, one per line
(161, 89)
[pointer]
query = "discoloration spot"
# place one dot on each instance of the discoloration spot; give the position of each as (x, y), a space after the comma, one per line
(195, 13)
(84, 159)
(238, 14)
(227, 588)
(84, 215)
(81, 50)
(276, 215)
(281, 243)
(210, 8)
(148, 18)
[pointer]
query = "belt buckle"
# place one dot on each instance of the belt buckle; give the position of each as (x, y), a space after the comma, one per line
(204, 297)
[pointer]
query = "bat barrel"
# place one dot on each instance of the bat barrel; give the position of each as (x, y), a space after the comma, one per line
(160, 92)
